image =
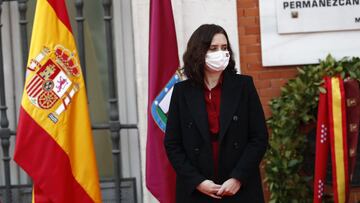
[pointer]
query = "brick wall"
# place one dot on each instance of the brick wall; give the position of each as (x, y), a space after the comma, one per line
(268, 80)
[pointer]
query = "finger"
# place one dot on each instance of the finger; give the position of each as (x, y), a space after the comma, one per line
(221, 191)
(215, 186)
(229, 193)
(214, 196)
(236, 188)
(225, 192)
(214, 190)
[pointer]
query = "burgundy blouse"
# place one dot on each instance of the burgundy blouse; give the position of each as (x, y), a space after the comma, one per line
(212, 100)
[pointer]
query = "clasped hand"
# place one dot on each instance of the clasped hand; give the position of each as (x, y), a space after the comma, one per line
(228, 188)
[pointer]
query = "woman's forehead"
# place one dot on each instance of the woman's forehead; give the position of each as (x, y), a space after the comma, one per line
(219, 39)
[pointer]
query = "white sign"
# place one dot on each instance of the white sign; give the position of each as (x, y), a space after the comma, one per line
(302, 48)
(299, 16)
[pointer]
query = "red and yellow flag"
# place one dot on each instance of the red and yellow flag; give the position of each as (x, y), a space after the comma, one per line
(331, 133)
(54, 142)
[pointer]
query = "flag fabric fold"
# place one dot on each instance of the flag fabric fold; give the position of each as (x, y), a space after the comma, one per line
(163, 65)
(331, 134)
(352, 93)
(54, 142)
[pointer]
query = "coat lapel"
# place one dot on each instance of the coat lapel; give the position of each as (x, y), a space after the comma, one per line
(230, 96)
(196, 103)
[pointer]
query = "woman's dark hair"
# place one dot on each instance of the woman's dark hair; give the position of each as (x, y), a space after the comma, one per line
(197, 47)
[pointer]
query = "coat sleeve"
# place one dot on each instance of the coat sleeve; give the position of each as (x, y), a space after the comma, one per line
(257, 138)
(185, 171)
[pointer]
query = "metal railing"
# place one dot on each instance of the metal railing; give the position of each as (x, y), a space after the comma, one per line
(120, 189)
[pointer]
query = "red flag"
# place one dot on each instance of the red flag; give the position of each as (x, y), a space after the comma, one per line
(322, 148)
(163, 63)
(352, 93)
(331, 132)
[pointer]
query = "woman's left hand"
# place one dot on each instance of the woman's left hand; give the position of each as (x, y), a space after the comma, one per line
(229, 187)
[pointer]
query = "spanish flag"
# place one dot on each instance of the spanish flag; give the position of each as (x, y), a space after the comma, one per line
(54, 142)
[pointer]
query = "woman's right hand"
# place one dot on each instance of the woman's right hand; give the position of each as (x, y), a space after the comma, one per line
(209, 188)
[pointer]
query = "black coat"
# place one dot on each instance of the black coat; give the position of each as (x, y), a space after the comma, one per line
(243, 140)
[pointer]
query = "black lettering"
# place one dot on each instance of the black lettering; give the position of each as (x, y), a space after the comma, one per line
(322, 3)
(357, 20)
(292, 4)
(314, 4)
(298, 4)
(285, 4)
(306, 4)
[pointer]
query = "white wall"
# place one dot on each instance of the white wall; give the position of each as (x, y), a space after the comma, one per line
(126, 86)
(188, 15)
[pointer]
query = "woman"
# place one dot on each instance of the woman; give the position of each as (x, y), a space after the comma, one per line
(216, 134)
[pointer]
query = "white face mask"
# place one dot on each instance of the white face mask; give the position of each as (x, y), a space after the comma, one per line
(217, 60)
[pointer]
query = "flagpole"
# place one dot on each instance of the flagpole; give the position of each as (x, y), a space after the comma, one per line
(113, 101)
(4, 123)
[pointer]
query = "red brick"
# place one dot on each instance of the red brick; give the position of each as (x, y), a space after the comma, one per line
(240, 12)
(244, 21)
(247, 4)
(250, 58)
(270, 75)
(267, 111)
(289, 73)
(278, 82)
(244, 1)
(265, 100)
(251, 67)
(241, 31)
(243, 50)
(269, 92)
(251, 12)
(257, 20)
(252, 30)
(261, 84)
(254, 75)
(251, 39)
(243, 68)
(284, 68)
(253, 49)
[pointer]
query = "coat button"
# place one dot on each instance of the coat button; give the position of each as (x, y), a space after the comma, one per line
(235, 118)
(196, 150)
(189, 125)
(236, 145)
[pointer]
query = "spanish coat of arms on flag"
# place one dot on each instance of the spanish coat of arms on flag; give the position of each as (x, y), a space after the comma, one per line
(54, 143)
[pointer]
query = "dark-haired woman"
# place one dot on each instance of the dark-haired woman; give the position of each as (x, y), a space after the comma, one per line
(216, 134)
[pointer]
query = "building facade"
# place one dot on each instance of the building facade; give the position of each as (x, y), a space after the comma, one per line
(241, 19)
